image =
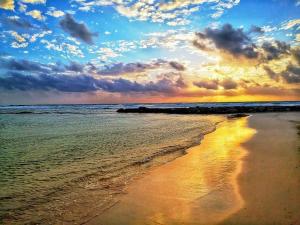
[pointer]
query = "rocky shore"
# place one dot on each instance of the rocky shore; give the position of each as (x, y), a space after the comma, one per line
(212, 110)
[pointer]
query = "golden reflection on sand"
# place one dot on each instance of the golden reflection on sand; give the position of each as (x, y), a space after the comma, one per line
(198, 188)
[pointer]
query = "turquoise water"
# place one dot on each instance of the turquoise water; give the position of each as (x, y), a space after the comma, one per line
(66, 163)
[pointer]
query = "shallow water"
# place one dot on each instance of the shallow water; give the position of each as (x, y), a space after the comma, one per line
(198, 188)
(67, 163)
(57, 159)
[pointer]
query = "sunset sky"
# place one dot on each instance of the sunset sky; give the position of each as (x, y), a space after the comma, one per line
(116, 51)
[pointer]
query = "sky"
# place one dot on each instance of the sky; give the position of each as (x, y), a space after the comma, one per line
(121, 51)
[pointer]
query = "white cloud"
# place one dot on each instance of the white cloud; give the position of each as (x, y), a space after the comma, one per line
(222, 6)
(36, 14)
(174, 13)
(106, 53)
(290, 24)
(42, 34)
(63, 47)
(17, 36)
(54, 12)
(269, 28)
(22, 7)
(34, 1)
(19, 45)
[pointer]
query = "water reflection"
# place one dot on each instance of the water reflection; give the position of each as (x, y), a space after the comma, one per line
(198, 188)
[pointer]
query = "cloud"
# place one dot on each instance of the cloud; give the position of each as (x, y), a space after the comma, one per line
(77, 30)
(256, 29)
(271, 73)
(275, 50)
(233, 41)
(290, 24)
(36, 14)
(229, 84)
(55, 13)
(121, 68)
(27, 75)
(31, 67)
(19, 45)
(138, 67)
(83, 83)
(208, 84)
(222, 6)
(290, 75)
(74, 66)
(17, 22)
(17, 36)
(64, 83)
(34, 1)
(215, 84)
(296, 55)
(7, 4)
(177, 66)
(172, 13)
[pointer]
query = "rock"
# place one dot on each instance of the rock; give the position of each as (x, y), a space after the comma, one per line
(235, 110)
(237, 115)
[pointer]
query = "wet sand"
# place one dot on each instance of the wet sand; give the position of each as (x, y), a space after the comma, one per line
(246, 172)
(270, 181)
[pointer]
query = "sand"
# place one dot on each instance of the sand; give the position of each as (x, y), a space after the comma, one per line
(270, 181)
(246, 172)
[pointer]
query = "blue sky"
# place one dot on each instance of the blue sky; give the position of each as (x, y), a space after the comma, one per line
(139, 39)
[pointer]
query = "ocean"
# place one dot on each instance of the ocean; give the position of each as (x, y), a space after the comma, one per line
(66, 163)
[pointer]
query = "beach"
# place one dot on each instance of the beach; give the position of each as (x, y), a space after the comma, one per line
(88, 164)
(246, 172)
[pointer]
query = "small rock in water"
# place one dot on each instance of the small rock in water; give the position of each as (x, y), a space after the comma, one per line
(237, 115)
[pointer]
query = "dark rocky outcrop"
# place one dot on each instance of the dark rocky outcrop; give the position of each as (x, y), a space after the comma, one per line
(237, 115)
(212, 110)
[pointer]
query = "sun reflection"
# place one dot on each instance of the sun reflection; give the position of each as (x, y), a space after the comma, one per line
(200, 187)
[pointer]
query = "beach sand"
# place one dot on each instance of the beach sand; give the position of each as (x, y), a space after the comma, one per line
(246, 172)
(270, 181)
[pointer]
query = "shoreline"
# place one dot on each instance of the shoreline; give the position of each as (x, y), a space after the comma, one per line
(98, 192)
(270, 182)
(181, 183)
(154, 199)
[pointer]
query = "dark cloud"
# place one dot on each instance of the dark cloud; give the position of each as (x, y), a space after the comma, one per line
(64, 83)
(200, 45)
(296, 55)
(290, 75)
(229, 84)
(208, 84)
(77, 30)
(17, 22)
(177, 66)
(181, 83)
(84, 83)
(275, 50)
(121, 68)
(74, 66)
(234, 41)
(256, 29)
(23, 65)
(271, 73)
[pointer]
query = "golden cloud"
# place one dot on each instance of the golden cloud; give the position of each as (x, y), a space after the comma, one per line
(7, 4)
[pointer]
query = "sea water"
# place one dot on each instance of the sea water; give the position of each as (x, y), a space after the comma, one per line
(67, 163)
